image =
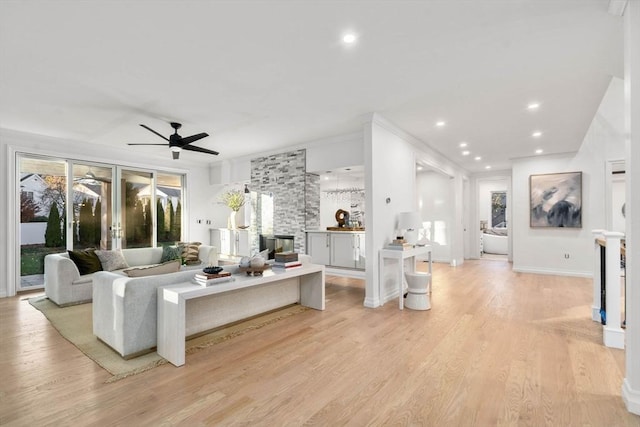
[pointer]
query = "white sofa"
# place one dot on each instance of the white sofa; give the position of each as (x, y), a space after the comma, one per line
(64, 285)
(125, 310)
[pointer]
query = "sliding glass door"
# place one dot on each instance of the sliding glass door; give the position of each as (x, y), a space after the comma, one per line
(71, 205)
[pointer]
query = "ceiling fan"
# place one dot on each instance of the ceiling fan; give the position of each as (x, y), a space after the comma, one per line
(178, 143)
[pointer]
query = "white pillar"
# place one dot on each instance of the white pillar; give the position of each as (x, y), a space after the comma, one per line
(631, 384)
(597, 281)
(613, 334)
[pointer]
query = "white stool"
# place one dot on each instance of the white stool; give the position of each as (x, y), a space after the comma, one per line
(418, 291)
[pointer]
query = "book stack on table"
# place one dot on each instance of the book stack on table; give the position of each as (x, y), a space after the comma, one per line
(206, 279)
(399, 244)
(286, 260)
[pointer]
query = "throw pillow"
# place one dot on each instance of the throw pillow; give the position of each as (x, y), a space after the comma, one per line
(112, 260)
(190, 252)
(164, 268)
(170, 253)
(86, 260)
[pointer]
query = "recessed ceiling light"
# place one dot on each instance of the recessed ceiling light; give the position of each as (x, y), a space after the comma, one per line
(477, 158)
(419, 168)
(539, 151)
(441, 123)
(463, 144)
(536, 134)
(487, 167)
(533, 106)
(466, 152)
(349, 38)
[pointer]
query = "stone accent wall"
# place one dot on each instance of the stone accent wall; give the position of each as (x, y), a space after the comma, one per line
(312, 202)
(284, 176)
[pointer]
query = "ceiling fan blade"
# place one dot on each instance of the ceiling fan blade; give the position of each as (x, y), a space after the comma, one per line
(192, 138)
(151, 130)
(199, 149)
(166, 145)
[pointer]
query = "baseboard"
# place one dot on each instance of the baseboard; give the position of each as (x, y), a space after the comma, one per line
(631, 398)
(345, 272)
(595, 314)
(535, 270)
(371, 303)
(613, 337)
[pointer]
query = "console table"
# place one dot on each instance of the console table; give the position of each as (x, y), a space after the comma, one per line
(401, 256)
(207, 307)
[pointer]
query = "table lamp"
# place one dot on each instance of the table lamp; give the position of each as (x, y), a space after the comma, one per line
(408, 225)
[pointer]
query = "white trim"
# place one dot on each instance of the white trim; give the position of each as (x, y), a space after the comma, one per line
(345, 272)
(613, 336)
(631, 397)
(13, 225)
(535, 270)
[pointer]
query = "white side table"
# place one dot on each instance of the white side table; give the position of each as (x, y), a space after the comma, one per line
(401, 255)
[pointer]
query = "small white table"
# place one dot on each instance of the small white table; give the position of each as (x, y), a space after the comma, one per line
(401, 255)
(172, 302)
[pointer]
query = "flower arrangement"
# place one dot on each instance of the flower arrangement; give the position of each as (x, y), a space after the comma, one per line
(234, 199)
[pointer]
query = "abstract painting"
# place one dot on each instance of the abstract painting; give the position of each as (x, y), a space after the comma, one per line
(556, 200)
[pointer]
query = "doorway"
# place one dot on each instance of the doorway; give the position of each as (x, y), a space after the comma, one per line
(493, 214)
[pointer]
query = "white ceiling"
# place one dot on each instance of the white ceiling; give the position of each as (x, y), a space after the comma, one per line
(262, 75)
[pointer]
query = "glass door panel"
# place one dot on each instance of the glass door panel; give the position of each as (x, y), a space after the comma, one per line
(92, 206)
(135, 226)
(169, 208)
(43, 193)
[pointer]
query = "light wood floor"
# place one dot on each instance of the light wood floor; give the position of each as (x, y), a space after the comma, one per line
(497, 348)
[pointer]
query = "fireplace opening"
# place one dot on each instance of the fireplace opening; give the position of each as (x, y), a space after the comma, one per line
(276, 243)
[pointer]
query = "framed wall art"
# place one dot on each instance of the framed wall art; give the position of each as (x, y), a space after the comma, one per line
(556, 200)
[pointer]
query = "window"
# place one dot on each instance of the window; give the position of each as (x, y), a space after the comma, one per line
(499, 209)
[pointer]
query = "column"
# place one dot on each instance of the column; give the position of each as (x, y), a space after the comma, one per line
(613, 334)
(631, 384)
(597, 280)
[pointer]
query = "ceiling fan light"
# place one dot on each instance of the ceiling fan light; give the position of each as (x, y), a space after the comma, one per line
(175, 149)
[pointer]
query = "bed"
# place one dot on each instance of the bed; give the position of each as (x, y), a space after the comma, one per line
(495, 241)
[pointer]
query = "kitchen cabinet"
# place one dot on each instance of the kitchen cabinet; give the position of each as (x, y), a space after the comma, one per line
(230, 242)
(337, 248)
(319, 247)
(347, 250)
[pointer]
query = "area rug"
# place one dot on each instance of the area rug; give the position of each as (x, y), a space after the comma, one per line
(75, 323)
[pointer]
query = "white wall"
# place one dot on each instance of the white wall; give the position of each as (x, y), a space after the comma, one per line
(543, 250)
(389, 174)
(436, 207)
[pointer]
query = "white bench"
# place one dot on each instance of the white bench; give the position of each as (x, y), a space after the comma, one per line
(186, 308)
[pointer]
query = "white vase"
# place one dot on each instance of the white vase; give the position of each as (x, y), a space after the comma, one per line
(232, 220)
